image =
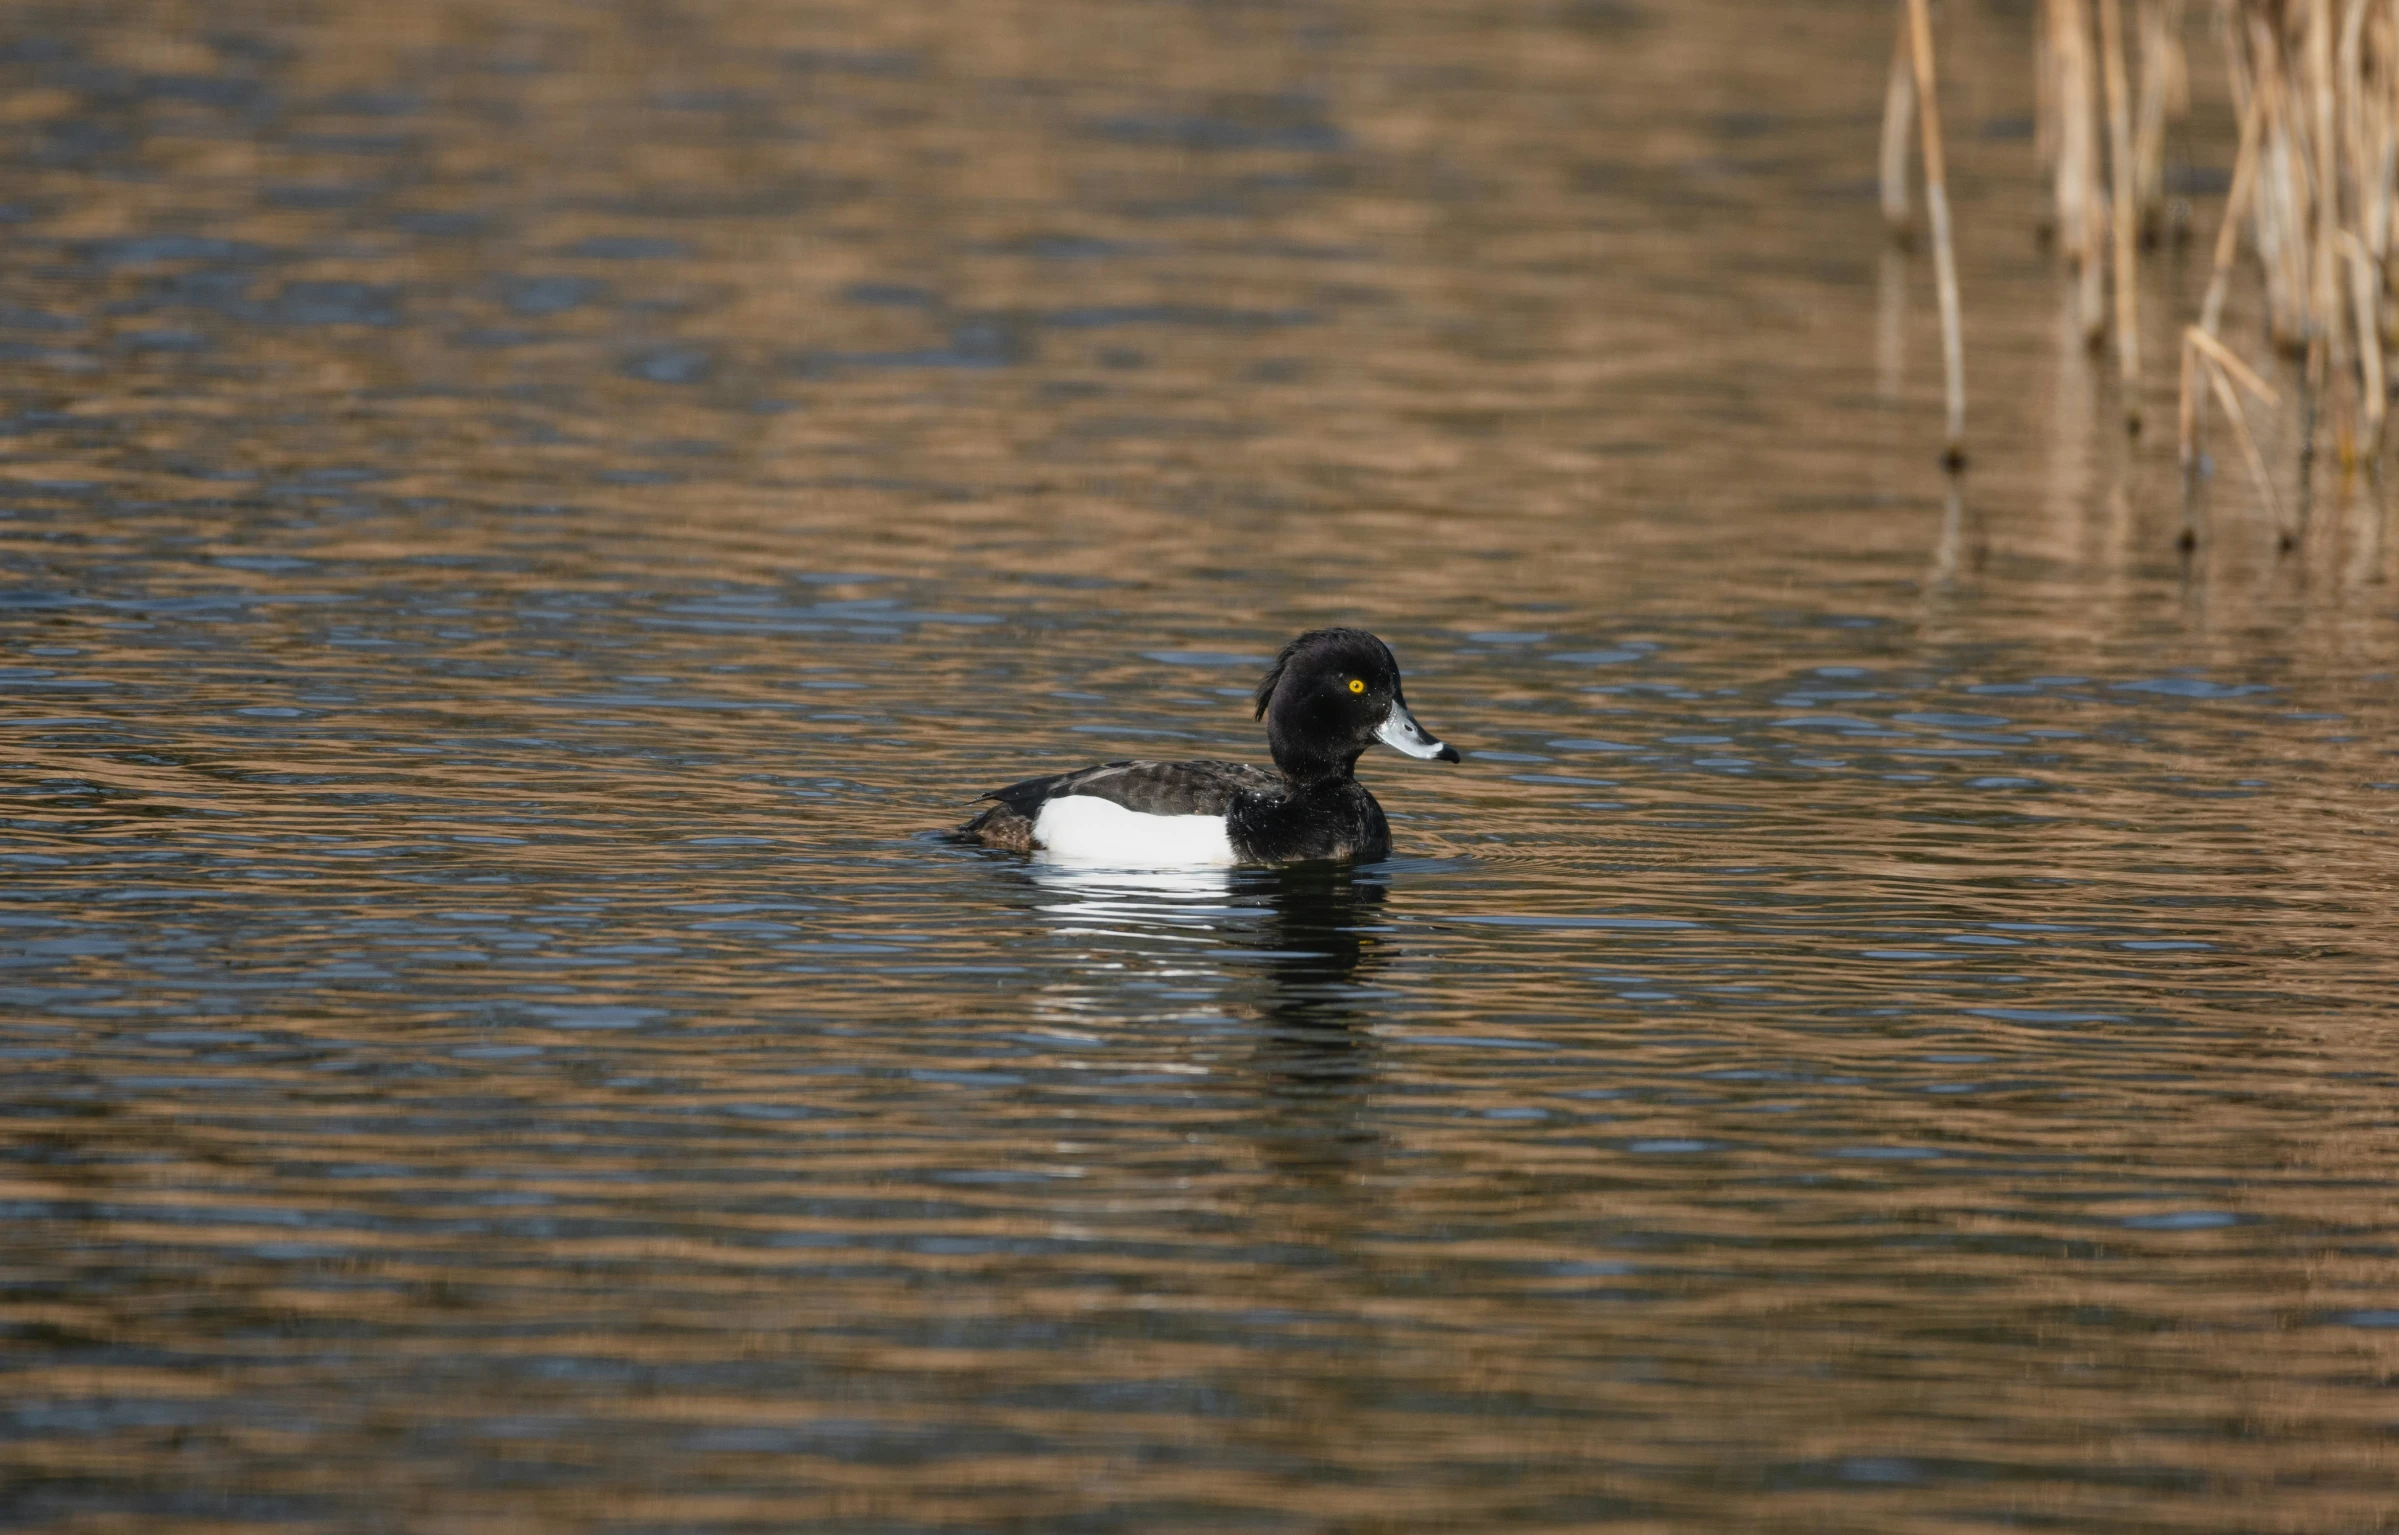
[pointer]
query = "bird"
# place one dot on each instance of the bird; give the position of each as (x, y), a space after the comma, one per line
(1330, 694)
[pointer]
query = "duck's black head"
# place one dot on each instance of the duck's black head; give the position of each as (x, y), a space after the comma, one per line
(1331, 694)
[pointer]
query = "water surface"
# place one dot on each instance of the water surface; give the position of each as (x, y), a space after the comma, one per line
(518, 526)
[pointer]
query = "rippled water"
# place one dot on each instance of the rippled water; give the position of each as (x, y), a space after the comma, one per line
(518, 526)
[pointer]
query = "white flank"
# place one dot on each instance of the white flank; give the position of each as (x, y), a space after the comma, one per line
(1085, 829)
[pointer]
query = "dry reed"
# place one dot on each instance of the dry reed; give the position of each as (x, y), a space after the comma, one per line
(2203, 353)
(2165, 96)
(2069, 138)
(2081, 59)
(2315, 187)
(1917, 91)
(2313, 183)
(2121, 204)
(1899, 111)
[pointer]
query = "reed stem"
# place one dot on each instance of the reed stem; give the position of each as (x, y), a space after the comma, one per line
(1936, 207)
(2236, 207)
(2365, 283)
(1899, 105)
(2223, 357)
(2165, 94)
(2257, 461)
(2122, 217)
(2188, 440)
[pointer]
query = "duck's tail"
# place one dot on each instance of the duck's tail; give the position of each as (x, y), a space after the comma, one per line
(1003, 826)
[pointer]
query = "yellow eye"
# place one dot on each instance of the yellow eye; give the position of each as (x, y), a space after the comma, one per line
(1357, 684)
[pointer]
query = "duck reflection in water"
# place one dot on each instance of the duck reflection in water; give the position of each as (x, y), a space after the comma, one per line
(1316, 1052)
(1290, 948)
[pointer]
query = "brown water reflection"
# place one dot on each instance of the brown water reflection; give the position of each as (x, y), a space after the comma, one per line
(518, 522)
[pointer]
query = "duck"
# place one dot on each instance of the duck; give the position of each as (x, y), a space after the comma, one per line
(1330, 695)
